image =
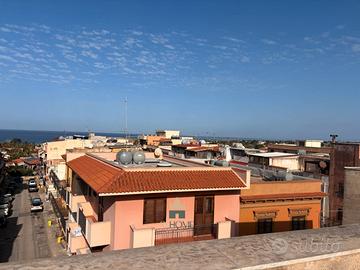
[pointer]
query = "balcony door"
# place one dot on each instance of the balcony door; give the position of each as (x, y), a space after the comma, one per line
(204, 215)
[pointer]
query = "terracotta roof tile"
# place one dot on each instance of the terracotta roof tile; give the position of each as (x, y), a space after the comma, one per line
(106, 178)
(34, 161)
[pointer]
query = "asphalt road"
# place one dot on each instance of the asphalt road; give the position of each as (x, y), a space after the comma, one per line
(25, 237)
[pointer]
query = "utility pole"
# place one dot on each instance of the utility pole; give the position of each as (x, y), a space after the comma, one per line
(126, 120)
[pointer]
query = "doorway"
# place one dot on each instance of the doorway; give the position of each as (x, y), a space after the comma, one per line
(204, 215)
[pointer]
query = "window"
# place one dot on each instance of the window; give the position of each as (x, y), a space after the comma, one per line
(154, 210)
(339, 214)
(209, 202)
(264, 225)
(298, 223)
(340, 192)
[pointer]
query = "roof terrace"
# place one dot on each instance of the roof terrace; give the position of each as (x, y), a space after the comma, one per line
(326, 248)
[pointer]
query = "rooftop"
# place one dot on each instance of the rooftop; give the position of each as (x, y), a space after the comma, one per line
(283, 196)
(273, 154)
(296, 148)
(108, 178)
(326, 248)
(32, 161)
(353, 168)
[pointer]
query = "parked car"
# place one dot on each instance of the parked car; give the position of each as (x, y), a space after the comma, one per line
(5, 209)
(36, 205)
(32, 186)
(7, 196)
(4, 201)
(3, 221)
(11, 190)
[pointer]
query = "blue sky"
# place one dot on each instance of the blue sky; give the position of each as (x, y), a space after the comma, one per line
(266, 69)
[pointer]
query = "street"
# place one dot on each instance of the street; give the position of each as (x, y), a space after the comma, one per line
(27, 235)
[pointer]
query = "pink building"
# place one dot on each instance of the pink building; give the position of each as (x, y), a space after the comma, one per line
(119, 207)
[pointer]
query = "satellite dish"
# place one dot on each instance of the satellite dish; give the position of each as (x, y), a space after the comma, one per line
(158, 152)
(164, 164)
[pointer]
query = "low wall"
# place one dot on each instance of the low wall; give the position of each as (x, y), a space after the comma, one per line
(326, 248)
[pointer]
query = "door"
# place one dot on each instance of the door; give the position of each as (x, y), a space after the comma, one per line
(204, 215)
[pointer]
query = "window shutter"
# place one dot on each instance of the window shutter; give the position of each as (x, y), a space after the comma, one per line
(149, 209)
(160, 210)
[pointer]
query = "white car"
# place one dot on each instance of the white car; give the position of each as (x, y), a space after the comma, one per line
(36, 205)
(32, 186)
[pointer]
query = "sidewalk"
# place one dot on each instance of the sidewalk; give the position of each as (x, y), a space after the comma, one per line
(56, 249)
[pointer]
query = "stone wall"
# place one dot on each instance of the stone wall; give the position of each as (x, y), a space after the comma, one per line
(326, 248)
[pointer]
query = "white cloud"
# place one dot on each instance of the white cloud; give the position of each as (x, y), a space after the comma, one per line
(4, 29)
(340, 27)
(245, 59)
(89, 54)
(236, 40)
(268, 41)
(356, 48)
(161, 57)
(8, 58)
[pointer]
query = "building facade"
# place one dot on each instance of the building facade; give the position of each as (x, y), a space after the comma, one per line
(342, 155)
(351, 213)
(276, 206)
(115, 207)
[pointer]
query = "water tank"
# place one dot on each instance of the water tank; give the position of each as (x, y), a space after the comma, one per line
(124, 157)
(138, 157)
(222, 163)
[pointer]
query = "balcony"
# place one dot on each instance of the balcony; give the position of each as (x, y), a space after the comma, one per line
(96, 233)
(73, 201)
(146, 237)
(76, 243)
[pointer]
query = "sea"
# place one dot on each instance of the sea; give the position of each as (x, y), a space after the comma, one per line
(40, 136)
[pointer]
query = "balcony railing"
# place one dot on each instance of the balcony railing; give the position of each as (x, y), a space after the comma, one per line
(178, 235)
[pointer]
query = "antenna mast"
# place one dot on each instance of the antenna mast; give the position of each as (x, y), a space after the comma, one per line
(126, 120)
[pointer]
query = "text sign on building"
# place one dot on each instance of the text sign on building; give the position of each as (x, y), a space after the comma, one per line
(177, 211)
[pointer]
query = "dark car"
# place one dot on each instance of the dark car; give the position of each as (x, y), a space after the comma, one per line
(36, 205)
(3, 221)
(32, 186)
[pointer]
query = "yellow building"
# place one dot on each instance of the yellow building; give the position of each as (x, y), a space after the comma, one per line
(168, 133)
(275, 206)
(54, 151)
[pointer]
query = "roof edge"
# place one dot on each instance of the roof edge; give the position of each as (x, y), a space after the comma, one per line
(168, 191)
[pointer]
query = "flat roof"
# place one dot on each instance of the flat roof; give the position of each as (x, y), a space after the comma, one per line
(352, 168)
(273, 154)
(324, 248)
(296, 148)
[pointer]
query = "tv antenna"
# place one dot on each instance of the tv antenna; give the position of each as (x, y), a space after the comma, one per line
(126, 120)
(333, 137)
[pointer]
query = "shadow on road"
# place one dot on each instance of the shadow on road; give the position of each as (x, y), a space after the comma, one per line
(7, 238)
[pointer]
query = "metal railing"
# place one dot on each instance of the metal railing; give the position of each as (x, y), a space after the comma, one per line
(58, 212)
(178, 235)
